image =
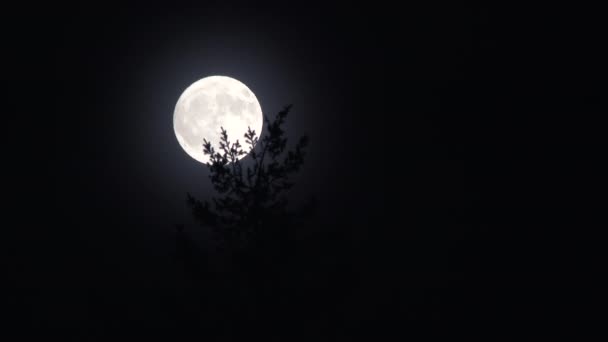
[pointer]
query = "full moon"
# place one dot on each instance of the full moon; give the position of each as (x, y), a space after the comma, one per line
(209, 104)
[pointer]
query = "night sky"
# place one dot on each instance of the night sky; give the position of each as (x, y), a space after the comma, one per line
(452, 153)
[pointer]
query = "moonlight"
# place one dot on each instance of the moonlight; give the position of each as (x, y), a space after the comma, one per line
(209, 104)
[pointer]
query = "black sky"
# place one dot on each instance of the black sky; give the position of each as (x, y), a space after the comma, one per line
(452, 149)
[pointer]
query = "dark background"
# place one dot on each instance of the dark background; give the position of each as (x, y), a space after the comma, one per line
(455, 151)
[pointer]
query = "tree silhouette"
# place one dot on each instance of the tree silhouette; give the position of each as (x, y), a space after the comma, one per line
(251, 201)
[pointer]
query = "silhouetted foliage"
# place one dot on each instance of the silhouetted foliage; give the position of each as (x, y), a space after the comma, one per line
(252, 198)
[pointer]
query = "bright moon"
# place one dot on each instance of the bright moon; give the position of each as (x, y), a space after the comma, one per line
(209, 104)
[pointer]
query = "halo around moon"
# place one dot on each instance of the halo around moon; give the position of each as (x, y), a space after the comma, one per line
(209, 104)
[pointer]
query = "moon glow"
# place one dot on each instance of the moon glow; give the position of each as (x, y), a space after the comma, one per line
(209, 104)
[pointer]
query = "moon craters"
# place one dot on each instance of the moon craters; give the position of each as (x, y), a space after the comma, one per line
(209, 104)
